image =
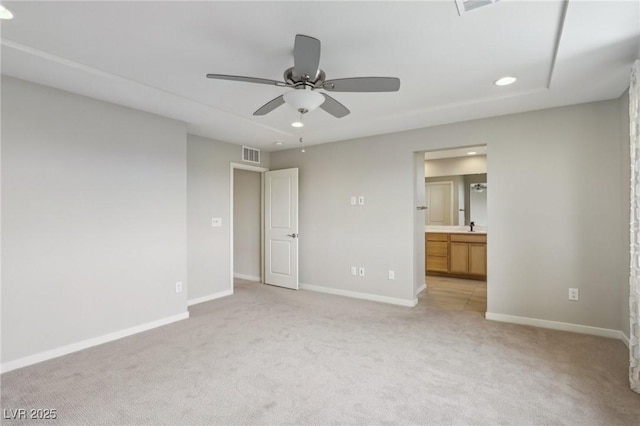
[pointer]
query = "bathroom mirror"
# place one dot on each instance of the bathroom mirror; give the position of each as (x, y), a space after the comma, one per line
(456, 200)
(456, 187)
(477, 204)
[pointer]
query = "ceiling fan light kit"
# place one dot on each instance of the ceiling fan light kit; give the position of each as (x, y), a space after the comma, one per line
(303, 100)
(5, 13)
(305, 77)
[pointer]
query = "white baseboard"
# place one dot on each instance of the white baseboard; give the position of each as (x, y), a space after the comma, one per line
(75, 347)
(625, 339)
(358, 295)
(422, 288)
(247, 277)
(209, 297)
(556, 325)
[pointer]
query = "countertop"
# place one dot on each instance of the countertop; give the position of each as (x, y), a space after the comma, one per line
(456, 229)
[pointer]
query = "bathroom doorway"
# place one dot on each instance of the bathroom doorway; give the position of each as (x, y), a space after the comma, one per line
(455, 229)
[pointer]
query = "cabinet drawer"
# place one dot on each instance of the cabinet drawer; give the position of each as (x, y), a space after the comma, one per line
(469, 238)
(437, 236)
(437, 248)
(437, 263)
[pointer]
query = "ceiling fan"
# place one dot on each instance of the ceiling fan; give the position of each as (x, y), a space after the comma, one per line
(305, 78)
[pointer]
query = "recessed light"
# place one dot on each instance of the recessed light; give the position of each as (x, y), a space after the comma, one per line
(277, 143)
(505, 81)
(471, 153)
(297, 124)
(5, 13)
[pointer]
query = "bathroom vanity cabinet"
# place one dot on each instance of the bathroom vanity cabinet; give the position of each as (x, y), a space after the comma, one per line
(462, 255)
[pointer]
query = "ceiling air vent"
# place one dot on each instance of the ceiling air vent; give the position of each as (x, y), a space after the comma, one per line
(250, 155)
(468, 5)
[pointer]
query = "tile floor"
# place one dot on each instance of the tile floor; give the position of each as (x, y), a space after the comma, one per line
(454, 294)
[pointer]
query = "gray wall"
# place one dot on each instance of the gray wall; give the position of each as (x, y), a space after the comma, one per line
(93, 218)
(625, 167)
(208, 196)
(246, 222)
(335, 235)
(562, 232)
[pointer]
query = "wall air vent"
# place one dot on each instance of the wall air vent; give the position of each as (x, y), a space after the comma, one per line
(250, 155)
(468, 5)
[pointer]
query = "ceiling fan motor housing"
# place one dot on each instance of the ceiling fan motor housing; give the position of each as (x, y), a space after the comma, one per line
(296, 81)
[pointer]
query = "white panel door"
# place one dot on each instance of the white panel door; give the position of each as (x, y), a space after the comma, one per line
(439, 205)
(281, 228)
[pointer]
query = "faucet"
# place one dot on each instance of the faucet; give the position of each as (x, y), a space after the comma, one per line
(472, 224)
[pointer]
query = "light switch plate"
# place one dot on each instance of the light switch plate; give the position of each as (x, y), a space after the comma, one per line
(574, 294)
(353, 200)
(216, 221)
(361, 200)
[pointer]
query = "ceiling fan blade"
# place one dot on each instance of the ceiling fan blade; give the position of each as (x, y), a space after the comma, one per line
(270, 106)
(306, 56)
(363, 84)
(246, 79)
(334, 107)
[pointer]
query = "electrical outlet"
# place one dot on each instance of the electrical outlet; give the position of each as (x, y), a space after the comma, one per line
(354, 271)
(361, 200)
(361, 272)
(353, 200)
(179, 287)
(574, 294)
(392, 274)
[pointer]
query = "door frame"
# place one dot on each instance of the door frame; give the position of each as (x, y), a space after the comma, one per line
(419, 175)
(261, 170)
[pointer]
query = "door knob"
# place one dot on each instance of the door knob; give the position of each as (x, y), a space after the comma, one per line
(421, 207)
(292, 235)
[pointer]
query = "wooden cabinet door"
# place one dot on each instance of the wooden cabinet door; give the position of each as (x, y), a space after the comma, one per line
(459, 253)
(478, 259)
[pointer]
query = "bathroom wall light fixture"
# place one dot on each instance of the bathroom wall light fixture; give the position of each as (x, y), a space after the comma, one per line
(479, 187)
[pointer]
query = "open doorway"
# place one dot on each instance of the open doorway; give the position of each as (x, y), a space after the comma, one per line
(455, 228)
(246, 223)
(264, 225)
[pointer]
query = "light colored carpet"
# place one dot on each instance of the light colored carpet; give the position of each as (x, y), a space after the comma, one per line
(273, 356)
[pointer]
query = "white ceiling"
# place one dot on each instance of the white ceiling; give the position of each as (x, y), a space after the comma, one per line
(154, 56)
